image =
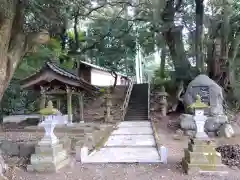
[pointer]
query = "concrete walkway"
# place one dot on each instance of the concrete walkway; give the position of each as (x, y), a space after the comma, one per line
(132, 142)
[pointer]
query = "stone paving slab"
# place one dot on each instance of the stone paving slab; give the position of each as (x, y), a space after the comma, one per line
(131, 140)
(134, 124)
(133, 130)
(124, 155)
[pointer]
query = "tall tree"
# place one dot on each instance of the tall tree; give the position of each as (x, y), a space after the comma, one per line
(199, 35)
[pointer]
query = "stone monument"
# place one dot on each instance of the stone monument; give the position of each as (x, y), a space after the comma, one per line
(211, 94)
(49, 153)
(201, 156)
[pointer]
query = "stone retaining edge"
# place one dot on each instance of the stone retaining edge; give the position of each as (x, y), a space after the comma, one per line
(101, 142)
(156, 138)
(103, 139)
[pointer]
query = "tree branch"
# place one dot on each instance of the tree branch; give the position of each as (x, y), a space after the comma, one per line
(101, 37)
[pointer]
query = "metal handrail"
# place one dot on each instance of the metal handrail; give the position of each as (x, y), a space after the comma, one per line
(149, 96)
(126, 100)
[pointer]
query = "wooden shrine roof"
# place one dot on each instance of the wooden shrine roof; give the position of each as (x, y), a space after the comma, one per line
(53, 75)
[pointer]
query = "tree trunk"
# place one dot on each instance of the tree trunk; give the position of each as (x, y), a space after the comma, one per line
(114, 74)
(76, 35)
(163, 62)
(8, 60)
(224, 77)
(218, 59)
(175, 43)
(14, 44)
(235, 42)
(213, 49)
(173, 38)
(199, 35)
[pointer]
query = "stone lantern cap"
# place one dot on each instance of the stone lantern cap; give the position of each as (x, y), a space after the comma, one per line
(198, 104)
(49, 110)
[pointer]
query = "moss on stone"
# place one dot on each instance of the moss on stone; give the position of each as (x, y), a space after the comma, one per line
(49, 110)
(198, 104)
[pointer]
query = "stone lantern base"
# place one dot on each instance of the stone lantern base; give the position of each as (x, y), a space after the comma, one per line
(201, 157)
(48, 158)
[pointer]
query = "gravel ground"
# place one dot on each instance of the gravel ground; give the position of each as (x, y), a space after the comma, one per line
(76, 171)
(170, 171)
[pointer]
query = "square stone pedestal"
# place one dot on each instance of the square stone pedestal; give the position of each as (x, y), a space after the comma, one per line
(201, 157)
(48, 158)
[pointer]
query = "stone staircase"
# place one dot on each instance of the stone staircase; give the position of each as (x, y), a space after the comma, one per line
(133, 140)
(138, 104)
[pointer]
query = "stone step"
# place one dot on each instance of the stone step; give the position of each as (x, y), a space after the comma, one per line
(135, 124)
(131, 140)
(135, 119)
(137, 106)
(138, 113)
(137, 116)
(124, 155)
(133, 130)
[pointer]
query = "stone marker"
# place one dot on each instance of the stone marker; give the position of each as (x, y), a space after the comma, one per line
(211, 94)
(201, 156)
(49, 153)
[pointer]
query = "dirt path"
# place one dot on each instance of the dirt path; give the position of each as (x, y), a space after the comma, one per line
(171, 171)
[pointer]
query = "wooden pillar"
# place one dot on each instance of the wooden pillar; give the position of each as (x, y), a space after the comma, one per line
(43, 98)
(59, 104)
(81, 106)
(69, 105)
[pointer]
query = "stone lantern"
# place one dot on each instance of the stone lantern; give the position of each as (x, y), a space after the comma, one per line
(49, 124)
(199, 117)
(108, 101)
(201, 155)
(163, 101)
(49, 153)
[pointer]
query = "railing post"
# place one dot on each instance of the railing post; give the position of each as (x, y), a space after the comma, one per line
(149, 92)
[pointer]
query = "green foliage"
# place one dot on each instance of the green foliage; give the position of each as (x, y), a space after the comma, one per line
(167, 81)
(109, 41)
(18, 101)
(102, 90)
(116, 49)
